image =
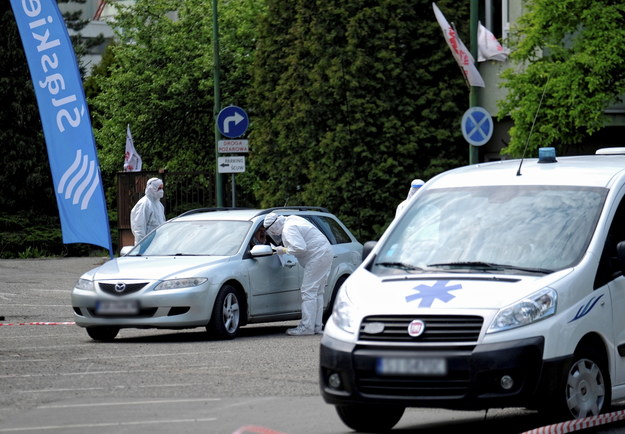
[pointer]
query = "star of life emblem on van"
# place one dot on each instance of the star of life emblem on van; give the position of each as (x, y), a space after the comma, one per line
(416, 328)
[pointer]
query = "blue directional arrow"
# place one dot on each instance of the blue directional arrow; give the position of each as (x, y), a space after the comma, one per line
(232, 121)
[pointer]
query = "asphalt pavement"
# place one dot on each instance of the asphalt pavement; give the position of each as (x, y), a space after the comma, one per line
(54, 378)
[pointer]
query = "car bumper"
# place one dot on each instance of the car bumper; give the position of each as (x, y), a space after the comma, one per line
(189, 307)
(476, 377)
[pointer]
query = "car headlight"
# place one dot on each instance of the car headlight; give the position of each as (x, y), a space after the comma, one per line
(189, 282)
(527, 311)
(85, 285)
(343, 312)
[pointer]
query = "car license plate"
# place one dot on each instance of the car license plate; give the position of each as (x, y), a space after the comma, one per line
(117, 307)
(427, 366)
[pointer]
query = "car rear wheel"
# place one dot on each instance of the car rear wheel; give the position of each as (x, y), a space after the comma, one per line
(104, 334)
(368, 418)
(226, 316)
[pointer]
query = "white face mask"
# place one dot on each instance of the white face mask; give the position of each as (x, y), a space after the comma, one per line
(160, 194)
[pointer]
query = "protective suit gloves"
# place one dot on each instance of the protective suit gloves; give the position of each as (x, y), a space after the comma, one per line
(280, 250)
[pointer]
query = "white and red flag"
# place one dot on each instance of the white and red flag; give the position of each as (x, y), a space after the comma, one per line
(489, 47)
(458, 49)
(132, 160)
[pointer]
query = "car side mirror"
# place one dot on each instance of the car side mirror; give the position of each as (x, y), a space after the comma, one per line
(261, 250)
(620, 254)
(367, 248)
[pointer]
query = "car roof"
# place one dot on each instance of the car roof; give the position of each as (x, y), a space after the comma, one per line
(585, 170)
(247, 214)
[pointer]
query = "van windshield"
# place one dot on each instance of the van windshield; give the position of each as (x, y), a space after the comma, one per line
(502, 229)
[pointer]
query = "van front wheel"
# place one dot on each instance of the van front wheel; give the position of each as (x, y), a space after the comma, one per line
(586, 389)
(367, 418)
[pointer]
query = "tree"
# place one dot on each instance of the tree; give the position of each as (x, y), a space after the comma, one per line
(160, 81)
(352, 101)
(572, 66)
(29, 216)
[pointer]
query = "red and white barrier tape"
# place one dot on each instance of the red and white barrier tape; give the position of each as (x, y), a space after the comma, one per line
(579, 424)
(37, 323)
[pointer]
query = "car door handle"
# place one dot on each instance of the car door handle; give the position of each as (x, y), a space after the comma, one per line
(289, 264)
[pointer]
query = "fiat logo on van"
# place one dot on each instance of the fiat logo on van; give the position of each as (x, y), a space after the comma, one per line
(416, 328)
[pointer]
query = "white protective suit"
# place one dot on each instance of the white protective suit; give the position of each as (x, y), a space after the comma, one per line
(415, 185)
(148, 213)
(314, 252)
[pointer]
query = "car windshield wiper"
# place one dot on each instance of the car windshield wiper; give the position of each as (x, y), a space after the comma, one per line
(400, 265)
(489, 266)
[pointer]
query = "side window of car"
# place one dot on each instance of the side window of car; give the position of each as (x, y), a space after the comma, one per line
(608, 265)
(260, 236)
(332, 229)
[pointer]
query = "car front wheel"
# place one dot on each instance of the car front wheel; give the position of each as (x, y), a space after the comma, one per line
(366, 418)
(226, 316)
(104, 334)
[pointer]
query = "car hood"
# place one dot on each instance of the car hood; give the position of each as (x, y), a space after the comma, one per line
(155, 267)
(405, 295)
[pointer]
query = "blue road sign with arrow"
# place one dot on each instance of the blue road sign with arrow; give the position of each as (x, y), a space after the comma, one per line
(232, 121)
(477, 126)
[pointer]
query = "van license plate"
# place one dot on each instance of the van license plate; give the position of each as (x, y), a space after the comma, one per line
(117, 307)
(427, 366)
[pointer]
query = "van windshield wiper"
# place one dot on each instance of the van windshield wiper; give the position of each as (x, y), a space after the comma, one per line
(400, 265)
(489, 266)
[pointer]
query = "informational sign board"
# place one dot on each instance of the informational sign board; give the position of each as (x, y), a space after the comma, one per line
(233, 146)
(231, 164)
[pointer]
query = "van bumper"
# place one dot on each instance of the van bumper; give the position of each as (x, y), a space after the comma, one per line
(477, 377)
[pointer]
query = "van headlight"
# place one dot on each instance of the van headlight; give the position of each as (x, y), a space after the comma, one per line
(180, 283)
(534, 308)
(343, 312)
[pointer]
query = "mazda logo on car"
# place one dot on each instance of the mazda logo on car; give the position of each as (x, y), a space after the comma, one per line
(120, 287)
(416, 328)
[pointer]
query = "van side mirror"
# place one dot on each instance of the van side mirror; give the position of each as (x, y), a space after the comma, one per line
(367, 248)
(620, 254)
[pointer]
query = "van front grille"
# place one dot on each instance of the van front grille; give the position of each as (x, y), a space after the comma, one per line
(437, 328)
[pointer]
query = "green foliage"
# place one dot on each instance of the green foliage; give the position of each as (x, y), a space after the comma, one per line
(573, 52)
(352, 101)
(24, 171)
(348, 101)
(29, 235)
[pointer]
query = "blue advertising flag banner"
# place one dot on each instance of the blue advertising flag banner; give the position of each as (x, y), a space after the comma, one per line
(66, 123)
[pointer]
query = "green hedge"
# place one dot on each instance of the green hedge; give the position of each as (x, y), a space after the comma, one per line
(26, 235)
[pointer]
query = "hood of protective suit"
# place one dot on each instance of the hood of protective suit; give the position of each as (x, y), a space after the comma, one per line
(151, 189)
(274, 224)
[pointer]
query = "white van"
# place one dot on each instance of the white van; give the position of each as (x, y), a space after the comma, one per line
(500, 285)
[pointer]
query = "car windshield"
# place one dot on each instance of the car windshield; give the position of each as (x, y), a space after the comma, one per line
(500, 229)
(205, 238)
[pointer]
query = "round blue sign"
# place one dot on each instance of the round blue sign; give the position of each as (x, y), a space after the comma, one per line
(232, 121)
(477, 126)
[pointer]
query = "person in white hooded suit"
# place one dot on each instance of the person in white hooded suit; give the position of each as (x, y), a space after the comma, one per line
(148, 213)
(314, 252)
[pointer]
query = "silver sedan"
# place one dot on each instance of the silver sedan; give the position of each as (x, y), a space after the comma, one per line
(207, 268)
